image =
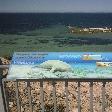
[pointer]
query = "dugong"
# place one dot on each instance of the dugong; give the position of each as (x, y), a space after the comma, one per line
(56, 65)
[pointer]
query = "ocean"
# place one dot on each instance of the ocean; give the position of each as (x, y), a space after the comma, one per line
(20, 22)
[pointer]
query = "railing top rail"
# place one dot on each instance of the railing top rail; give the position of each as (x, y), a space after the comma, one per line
(70, 79)
(64, 79)
(4, 66)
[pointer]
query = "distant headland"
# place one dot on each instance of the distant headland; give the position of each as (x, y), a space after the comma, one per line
(78, 30)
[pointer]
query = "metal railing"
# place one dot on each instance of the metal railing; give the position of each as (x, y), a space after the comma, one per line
(54, 80)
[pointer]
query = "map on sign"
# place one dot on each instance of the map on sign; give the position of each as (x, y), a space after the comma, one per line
(32, 65)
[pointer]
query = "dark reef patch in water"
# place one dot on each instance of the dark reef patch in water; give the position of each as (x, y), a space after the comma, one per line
(83, 41)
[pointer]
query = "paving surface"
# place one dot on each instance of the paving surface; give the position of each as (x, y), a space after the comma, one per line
(1, 102)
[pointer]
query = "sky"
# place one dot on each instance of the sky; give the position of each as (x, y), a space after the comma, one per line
(55, 5)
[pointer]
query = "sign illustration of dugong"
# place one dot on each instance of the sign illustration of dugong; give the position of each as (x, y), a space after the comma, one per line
(56, 65)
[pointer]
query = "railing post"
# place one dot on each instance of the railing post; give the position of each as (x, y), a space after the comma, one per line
(41, 95)
(3, 106)
(79, 100)
(66, 91)
(29, 96)
(54, 95)
(17, 96)
(103, 96)
(3, 94)
(91, 96)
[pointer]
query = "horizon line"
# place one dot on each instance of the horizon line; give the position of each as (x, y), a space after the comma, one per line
(53, 12)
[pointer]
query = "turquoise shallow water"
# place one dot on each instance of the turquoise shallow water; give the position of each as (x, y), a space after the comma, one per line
(91, 70)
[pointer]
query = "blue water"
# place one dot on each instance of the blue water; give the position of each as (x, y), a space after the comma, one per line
(84, 65)
(16, 22)
(91, 70)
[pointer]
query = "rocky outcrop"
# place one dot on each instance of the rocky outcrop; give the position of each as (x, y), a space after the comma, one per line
(4, 61)
(56, 65)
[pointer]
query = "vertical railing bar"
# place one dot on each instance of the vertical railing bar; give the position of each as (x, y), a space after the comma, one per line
(66, 91)
(54, 95)
(29, 96)
(17, 96)
(79, 100)
(91, 96)
(41, 95)
(4, 91)
(103, 96)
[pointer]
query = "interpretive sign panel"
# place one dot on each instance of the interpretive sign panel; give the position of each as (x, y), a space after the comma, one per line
(32, 65)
